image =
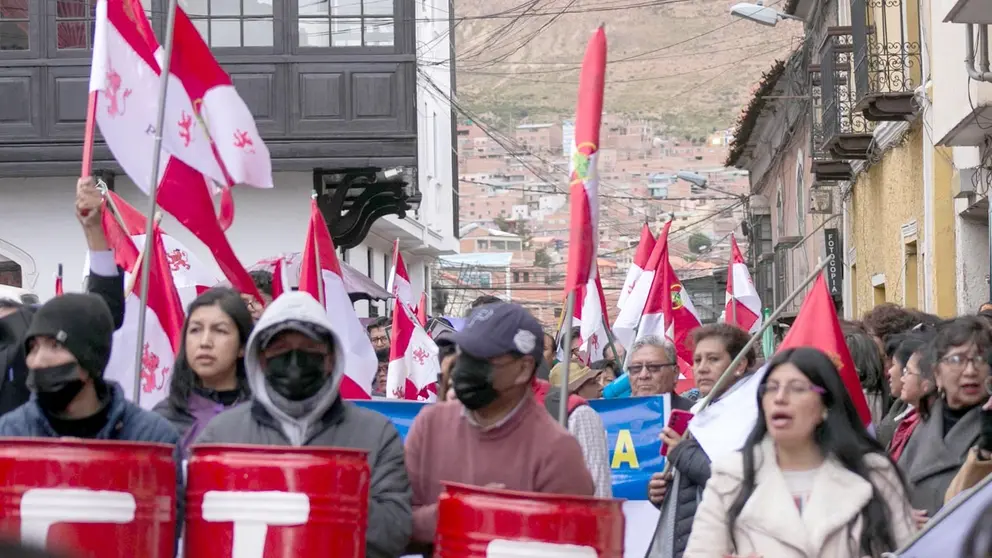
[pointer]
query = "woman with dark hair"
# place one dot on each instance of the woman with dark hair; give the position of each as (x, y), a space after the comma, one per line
(919, 389)
(871, 373)
(209, 374)
(809, 481)
(938, 447)
(898, 408)
(714, 348)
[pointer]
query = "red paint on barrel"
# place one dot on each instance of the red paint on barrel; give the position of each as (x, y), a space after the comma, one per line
(469, 518)
(90, 498)
(276, 502)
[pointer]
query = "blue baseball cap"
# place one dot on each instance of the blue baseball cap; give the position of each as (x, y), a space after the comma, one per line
(501, 328)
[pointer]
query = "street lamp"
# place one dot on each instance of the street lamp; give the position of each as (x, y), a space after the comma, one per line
(759, 13)
(696, 179)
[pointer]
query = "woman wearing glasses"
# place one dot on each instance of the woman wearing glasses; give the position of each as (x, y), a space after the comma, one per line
(938, 447)
(809, 481)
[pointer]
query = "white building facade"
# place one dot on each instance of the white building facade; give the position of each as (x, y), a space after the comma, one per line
(38, 230)
(960, 117)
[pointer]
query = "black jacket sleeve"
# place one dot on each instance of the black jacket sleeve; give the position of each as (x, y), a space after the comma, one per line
(691, 461)
(13, 389)
(111, 290)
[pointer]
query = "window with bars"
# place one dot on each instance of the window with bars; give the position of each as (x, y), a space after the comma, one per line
(345, 23)
(232, 23)
(15, 24)
(74, 22)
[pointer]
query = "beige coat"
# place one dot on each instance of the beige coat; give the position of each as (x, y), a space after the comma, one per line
(770, 524)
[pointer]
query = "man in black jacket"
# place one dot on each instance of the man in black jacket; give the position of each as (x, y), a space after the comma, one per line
(105, 280)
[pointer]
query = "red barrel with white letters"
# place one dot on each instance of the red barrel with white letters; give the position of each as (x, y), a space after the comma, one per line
(276, 502)
(478, 522)
(89, 498)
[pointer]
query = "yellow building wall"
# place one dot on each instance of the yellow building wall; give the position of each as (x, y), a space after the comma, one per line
(944, 285)
(886, 197)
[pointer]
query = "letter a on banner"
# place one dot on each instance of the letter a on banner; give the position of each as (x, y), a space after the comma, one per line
(43, 507)
(624, 451)
(253, 513)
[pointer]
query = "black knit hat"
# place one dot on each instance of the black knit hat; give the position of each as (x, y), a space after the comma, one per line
(82, 323)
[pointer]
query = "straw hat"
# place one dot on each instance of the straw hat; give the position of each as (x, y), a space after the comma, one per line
(577, 375)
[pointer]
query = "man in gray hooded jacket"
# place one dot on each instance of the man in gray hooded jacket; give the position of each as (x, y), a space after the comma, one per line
(295, 362)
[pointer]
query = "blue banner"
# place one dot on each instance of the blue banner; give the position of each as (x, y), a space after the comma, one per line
(633, 426)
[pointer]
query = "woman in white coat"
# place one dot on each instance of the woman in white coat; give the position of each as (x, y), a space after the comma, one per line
(809, 483)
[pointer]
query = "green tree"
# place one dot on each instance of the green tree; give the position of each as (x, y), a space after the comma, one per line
(502, 223)
(542, 259)
(699, 243)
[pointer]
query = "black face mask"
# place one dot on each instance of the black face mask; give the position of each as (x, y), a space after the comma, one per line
(472, 379)
(296, 375)
(55, 386)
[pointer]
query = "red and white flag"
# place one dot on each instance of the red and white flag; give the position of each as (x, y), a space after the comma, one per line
(659, 319)
(641, 257)
(124, 77)
(582, 274)
(421, 310)
(625, 327)
(413, 362)
(280, 279)
(163, 331)
(591, 346)
(320, 275)
(743, 303)
(189, 274)
(399, 280)
(217, 115)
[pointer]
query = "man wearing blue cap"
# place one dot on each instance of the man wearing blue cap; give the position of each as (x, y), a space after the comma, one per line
(495, 434)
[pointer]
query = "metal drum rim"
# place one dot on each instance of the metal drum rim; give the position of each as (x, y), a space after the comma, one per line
(461, 488)
(203, 449)
(13, 442)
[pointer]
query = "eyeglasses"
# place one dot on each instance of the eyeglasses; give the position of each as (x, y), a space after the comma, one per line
(958, 363)
(652, 367)
(382, 340)
(793, 388)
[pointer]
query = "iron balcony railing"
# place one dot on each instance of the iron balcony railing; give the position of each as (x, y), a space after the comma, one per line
(840, 117)
(886, 49)
(816, 114)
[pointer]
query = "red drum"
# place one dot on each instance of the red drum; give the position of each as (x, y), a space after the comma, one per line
(276, 502)
(477, 522)
(90, 498)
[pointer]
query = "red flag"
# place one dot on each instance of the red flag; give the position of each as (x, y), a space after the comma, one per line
(583, 194)
(817, 326)
(183, 193)
(58, 282)
(422, 310)
(320, 275)
(743, 304)
(640, 263)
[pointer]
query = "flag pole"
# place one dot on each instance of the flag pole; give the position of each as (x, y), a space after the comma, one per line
(611, 343)
(170, 26)
(742, 355)
(563, 404)
(137, 264)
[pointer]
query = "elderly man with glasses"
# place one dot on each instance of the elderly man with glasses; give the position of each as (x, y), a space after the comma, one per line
(653, 370)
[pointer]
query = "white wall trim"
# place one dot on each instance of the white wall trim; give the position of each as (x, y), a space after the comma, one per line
(878, 280)
(909, 231)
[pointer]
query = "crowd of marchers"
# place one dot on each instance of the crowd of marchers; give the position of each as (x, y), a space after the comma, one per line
(810, 480)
